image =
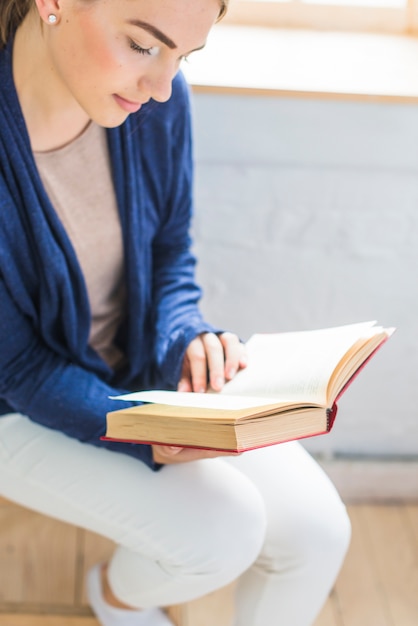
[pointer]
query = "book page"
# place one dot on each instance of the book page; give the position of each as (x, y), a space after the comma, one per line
(295, 366)
(283, 368)
(196, 400)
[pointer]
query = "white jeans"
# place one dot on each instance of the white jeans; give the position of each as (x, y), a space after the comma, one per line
(270, 517)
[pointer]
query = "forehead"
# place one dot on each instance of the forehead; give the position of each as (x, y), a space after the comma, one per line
(180, 9)
(184, 22)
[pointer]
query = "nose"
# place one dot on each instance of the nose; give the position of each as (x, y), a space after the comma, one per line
(157, 82)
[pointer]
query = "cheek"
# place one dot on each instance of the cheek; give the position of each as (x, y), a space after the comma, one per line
(98, 53)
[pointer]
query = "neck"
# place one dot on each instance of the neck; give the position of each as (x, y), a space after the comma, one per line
(53, 117)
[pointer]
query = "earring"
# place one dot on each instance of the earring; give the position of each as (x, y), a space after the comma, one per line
(52, 19)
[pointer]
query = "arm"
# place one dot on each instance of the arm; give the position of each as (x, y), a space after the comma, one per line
(56, 393)
(63, 396)
(175, 292)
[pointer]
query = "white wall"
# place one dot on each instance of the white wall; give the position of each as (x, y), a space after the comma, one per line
(307, 216)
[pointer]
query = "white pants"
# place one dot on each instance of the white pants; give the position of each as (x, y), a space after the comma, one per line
(270, 517)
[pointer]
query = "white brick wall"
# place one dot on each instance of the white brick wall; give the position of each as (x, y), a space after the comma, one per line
(307, 216)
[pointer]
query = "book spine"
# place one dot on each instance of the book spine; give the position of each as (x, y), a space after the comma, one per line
(331, 415)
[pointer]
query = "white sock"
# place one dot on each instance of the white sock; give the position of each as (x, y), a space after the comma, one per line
(111, 616)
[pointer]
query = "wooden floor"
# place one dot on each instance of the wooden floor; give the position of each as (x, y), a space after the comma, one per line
(43, 563)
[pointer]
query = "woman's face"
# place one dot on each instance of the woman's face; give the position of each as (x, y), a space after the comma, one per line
(112, 56)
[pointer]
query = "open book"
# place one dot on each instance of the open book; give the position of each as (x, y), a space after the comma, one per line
(289, 390)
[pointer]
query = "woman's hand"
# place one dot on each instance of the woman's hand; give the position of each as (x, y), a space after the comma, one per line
(211, 360)
(167, 455)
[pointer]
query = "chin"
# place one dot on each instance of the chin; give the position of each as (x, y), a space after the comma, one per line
(110, 121)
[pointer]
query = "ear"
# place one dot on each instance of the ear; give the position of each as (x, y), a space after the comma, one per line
(46, 8)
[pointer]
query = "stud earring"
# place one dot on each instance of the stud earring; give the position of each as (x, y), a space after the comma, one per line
(52, 19)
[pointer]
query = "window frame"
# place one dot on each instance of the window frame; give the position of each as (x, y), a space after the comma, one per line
(265, 13)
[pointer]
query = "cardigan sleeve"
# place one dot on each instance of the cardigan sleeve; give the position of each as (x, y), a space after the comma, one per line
(176, 295)
(56, 393)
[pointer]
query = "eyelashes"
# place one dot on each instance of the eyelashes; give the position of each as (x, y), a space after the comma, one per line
(144, 51)
(151, 51)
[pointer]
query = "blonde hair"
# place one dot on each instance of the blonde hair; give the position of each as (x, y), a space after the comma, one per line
(12, 13)
(224, 8)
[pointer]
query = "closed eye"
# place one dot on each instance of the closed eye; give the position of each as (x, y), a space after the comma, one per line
(145, 51)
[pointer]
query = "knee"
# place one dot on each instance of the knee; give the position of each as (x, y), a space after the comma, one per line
(325, 544)
(318, 539)
(226, 537)
(330, 538)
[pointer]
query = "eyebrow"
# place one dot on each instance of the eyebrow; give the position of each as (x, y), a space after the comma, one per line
(155, 32)
(159, 35)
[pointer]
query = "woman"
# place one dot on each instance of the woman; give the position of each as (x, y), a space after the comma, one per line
(98, 297)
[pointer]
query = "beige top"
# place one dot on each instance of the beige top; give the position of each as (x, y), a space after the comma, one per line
(77, 178)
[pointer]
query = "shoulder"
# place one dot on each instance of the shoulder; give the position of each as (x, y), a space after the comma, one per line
(181, 89)
(160, 134)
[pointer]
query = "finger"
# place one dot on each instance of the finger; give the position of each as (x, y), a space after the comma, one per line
(216, 360)
(194, 454)
(172, 450)
(185, 383)
(170, 455)
(198, 364)
(235, 354)
(165, 454)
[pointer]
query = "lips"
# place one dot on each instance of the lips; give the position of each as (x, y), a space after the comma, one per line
(127, 105)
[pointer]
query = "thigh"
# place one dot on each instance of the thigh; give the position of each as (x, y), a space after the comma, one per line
(282, 470)
(193, 507)
(303, 506)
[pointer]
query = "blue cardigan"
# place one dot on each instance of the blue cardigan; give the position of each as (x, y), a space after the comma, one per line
(47, 369)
